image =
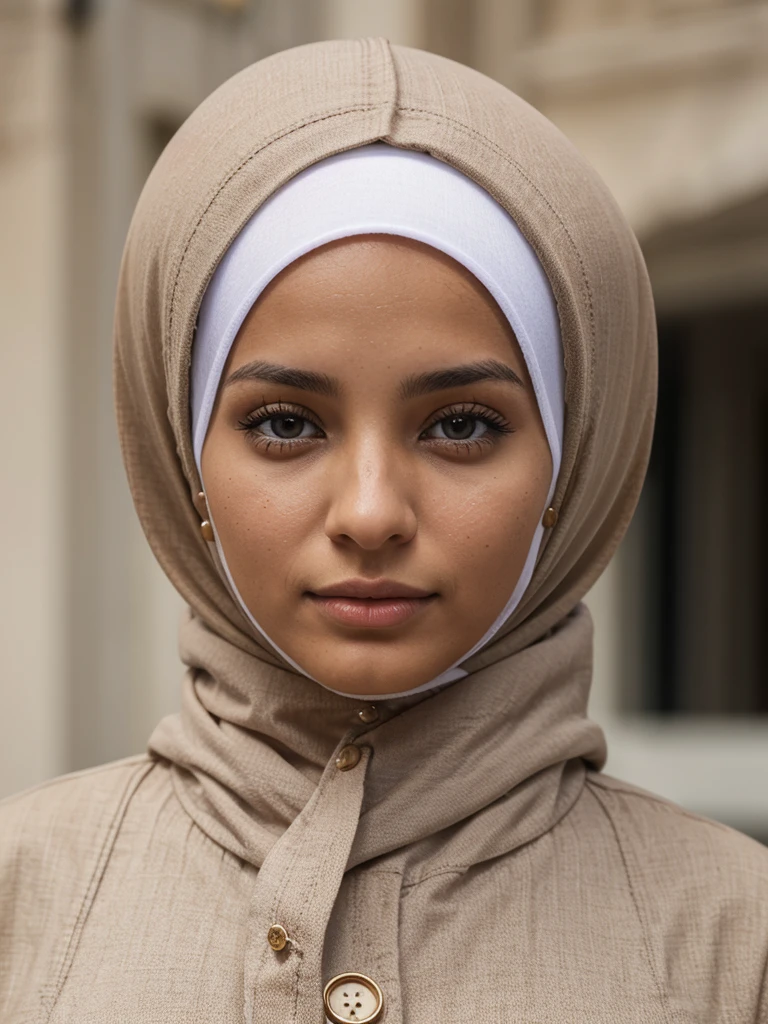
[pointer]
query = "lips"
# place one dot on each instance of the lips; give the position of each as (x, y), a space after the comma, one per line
(371, 604)
(382, 589)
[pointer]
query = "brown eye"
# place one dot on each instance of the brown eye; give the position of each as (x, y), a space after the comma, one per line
(287, 426)
(456, 430)
(278, 425)
(459, 428)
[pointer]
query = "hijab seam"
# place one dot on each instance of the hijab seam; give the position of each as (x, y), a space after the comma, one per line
(296, 126)
(467, 129)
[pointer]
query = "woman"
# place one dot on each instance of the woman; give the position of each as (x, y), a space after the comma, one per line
(385, 383)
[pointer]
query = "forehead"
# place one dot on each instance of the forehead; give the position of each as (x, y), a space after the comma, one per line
(376, 292)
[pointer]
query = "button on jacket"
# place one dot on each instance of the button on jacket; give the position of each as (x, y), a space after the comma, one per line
(286, 854)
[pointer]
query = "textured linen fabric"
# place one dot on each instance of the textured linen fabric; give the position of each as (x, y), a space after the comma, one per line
(476, 863)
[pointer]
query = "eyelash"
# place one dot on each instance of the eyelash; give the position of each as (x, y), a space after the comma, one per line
(473, 410)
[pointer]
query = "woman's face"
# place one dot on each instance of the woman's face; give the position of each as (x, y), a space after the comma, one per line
(375, 421)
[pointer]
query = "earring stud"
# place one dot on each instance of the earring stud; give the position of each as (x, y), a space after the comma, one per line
(205, 527)
(549, 518)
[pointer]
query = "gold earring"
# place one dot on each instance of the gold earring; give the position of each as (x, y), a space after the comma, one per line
(549, 518)
(205, 527)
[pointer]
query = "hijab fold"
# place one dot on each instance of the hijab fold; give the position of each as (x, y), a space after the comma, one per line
(248, 754)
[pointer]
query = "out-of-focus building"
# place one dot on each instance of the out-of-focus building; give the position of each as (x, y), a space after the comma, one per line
(667, 98)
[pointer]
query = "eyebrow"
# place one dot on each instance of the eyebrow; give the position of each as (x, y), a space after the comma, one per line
(274, 373)
(410, 387)
(458, 376)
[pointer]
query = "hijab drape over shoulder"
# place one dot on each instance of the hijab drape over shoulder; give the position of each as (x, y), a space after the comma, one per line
(461, 848)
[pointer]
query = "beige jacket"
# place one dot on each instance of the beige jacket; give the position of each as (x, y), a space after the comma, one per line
(458, 853)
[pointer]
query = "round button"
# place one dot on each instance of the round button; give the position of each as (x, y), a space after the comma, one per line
(277, 937)
(348, 757)
(353, 997)
(369, 714)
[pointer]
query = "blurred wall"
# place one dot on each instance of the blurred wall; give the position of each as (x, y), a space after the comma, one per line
(32, 399)
(665, 97)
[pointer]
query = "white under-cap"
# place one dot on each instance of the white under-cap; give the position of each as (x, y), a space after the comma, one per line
(379, 188)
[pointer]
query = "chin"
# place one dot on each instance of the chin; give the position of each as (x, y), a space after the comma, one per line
(360, 681)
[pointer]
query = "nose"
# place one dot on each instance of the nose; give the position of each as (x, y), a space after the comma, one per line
(371, 503)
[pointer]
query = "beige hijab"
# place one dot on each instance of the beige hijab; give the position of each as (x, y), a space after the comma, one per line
(472, 770)
(293, 109)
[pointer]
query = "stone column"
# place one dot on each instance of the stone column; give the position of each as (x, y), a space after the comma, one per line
(31, 395)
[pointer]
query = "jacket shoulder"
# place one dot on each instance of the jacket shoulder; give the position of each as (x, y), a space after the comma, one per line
(65, 809)
(700, 889)
(650, 822)
(54, 841)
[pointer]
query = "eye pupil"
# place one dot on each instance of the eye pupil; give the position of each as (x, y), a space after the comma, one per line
(294, 424)
(457, 425)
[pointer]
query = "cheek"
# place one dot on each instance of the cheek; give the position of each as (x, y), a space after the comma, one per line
(261, 521)
(486, 530)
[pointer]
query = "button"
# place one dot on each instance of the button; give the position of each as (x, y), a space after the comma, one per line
(369, 714)
(353, 997)
(277, 937)
(348, 757)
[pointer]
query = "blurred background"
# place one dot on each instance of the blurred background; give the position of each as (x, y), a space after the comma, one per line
(667, 98)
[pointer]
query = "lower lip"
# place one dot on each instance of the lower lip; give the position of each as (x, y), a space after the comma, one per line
(371, 612)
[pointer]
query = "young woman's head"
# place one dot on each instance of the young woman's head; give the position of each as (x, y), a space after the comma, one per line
(375, 421)
(443, 377)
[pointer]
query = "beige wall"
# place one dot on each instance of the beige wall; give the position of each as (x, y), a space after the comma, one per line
(397, 20)
(32, 400)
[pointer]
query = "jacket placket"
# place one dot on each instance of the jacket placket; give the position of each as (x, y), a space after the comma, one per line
(295, 892)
